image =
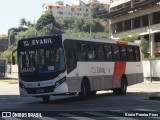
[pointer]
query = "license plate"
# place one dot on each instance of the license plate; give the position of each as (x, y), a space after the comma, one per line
(39, 91)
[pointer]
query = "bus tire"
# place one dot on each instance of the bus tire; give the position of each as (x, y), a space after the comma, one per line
(123, 89)
(46, 98)
(83, 94)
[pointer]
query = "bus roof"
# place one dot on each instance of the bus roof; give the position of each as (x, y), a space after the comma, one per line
(96, 39)
(92, 39)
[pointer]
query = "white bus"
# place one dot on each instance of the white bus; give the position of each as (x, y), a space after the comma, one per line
(3, 68)
(58, 65)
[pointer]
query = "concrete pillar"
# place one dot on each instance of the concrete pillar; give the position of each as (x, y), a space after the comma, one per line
(151, 19)
(142, 55)
(141, 21)
(123, 26)
(131, 24)
(152, 45)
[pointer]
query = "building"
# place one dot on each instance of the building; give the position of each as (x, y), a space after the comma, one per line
(140, 16)
(78, 9)
(58, 9)
(3, 44)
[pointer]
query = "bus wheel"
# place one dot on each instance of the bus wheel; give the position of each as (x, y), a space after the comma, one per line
(83, 93)
(123, 89)
(46, 98)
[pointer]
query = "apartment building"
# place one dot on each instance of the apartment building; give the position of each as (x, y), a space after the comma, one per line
(78, 9)
(58, 9)
(140, 16)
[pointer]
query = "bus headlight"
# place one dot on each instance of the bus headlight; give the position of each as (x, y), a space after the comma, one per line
(59, 82)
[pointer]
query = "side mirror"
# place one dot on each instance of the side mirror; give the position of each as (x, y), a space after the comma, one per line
(13, 60)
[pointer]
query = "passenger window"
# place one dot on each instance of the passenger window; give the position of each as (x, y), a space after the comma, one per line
(108, 53)
(130, 53)
(116, 53)
(137, 53)
(82, 52)
(99, 52)
(71, 59)
(91, 52)
(123, 53)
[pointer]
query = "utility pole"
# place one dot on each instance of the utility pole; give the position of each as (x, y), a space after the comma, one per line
(150, 61)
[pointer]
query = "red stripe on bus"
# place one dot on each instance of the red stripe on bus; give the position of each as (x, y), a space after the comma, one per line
(119, 68)
(122, 42)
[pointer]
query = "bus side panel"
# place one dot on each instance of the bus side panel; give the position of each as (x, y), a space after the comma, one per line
(74, 84)
(100, 82)
(134, 73)
(99, 74)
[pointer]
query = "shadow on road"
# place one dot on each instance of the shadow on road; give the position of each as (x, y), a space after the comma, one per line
(107, 100)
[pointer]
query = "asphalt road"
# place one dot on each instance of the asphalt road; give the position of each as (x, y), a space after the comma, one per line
(104, 105)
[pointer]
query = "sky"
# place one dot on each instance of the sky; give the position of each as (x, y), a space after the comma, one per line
(11, 11)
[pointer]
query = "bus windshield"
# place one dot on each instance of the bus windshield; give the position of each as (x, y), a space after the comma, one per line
(42, 60)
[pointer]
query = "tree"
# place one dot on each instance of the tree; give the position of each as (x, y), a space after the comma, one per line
(44, 20)
(49, 29)
(11, 38)
(127, 38)
(23, 22)
(144, 48)
(96, 9)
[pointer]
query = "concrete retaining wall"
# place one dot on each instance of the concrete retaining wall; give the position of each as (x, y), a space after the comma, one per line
(155, 68)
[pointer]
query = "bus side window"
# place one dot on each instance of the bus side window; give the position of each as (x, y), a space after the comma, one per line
(91, 52)
(82, 52)
(134, 54)
(130, 53)
(108, 53)
(71, 59)
(137, 53)
(99, 52)
(123, 53)
(71, 56)
(116, 53)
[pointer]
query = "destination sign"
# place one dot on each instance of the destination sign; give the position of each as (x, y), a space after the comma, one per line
(40, 41)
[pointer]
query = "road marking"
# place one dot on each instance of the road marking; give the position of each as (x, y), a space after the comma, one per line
(145, 110)
(46, 118)
(122, 118)
(115, 110)
(155, 118)
(75, 116)
(10, 118)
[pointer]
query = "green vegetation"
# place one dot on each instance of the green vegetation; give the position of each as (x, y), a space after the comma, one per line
(144, 44)
(144, 48)
(97, 9)
(127, 38)
(47, 25)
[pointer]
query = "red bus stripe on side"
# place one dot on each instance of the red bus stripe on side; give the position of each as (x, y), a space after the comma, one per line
(119, 69)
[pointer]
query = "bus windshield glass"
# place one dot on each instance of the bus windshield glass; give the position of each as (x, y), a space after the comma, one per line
(40, 58)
